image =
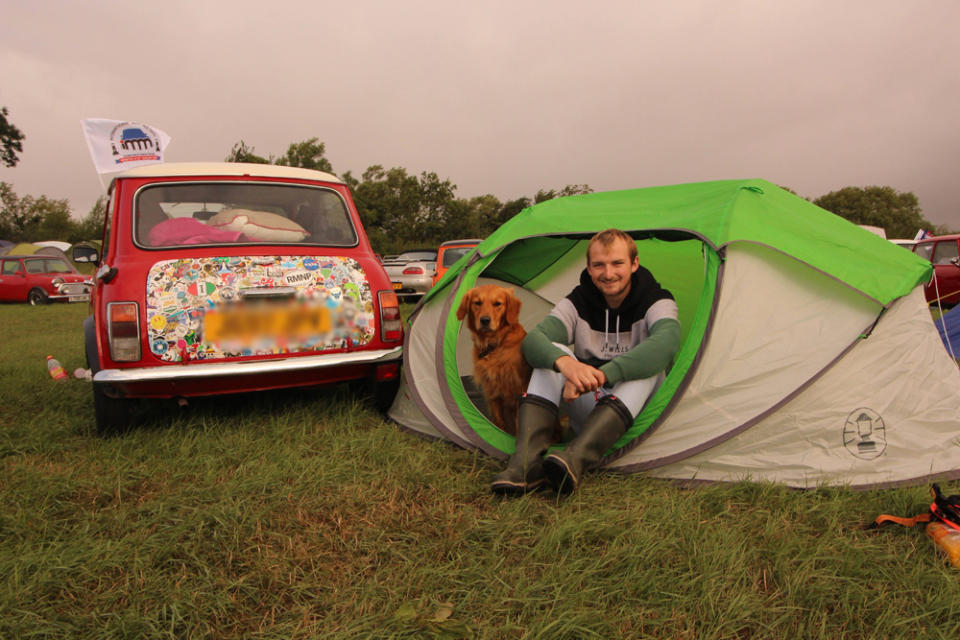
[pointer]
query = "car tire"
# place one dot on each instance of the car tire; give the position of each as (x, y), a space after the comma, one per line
(37, 297)
(379, 394)
(113, 415)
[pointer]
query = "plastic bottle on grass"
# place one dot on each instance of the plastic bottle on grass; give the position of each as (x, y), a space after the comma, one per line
(947, 540)
(56, 370)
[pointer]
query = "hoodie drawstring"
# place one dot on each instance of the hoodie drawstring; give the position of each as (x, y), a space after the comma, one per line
(606, 328)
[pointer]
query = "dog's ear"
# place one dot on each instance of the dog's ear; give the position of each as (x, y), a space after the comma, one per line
(513, 308)
(465, 305)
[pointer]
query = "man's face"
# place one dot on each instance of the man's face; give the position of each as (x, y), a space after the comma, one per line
(610, 268)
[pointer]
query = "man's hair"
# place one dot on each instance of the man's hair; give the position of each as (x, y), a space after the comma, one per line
(608, 236)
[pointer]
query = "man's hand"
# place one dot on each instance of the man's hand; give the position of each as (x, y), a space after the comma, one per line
(581, 378)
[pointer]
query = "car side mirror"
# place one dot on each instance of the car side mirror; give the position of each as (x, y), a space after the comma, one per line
(955, 262)
(84, 253)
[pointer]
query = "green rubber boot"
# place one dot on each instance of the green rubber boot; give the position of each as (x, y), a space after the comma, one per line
(604, 426)
(536, 418)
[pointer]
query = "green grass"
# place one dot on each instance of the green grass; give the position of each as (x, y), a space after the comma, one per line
(304, 514)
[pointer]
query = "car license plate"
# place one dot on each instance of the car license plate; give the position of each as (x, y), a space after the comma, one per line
(247, 325)
(78, 298)
(397, 285)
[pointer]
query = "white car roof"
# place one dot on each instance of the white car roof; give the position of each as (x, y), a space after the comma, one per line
(165, 169)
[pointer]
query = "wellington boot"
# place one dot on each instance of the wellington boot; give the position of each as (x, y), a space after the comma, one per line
(536, 419)
(604, 426)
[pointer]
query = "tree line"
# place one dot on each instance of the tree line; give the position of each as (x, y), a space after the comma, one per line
(401, 210)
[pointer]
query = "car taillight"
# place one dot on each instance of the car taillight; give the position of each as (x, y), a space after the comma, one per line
(391, 326)
(413, 271)
(123, 331)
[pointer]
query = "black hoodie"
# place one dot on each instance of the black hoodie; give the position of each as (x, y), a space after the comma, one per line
(600, 334)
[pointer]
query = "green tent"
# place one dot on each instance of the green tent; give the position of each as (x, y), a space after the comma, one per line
(809, 356)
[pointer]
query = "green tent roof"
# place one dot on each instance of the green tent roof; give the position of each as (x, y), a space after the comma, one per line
(725, 212)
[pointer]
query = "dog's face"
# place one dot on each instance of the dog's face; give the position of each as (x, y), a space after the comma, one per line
(489, 308)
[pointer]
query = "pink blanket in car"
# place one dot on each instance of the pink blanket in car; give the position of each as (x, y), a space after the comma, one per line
(189, 231)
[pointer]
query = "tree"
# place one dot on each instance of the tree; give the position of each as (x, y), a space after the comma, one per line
(53, 219)
(242, 153)
(435, 210)
(569, 190)
(473, 218)
(11, 140)
(20, 217)
(387, 201)
(899, 214)
(306, 155)
(91, 227)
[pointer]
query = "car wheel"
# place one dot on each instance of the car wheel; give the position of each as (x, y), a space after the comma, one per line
(113, 415)
(380, 394)
(37, 297)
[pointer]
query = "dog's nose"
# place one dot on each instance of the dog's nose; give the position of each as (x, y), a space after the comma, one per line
(485, 321)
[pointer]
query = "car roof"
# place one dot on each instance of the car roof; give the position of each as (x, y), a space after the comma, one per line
(45, 256)
(468, 241)
(185, 169)
(951, 236)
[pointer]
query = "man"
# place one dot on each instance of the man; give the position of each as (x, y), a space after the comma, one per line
(624, 331)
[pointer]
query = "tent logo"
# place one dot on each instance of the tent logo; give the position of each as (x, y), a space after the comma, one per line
(865, 434)
(134, 142)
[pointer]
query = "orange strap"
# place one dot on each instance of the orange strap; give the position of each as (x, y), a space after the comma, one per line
(905, 522)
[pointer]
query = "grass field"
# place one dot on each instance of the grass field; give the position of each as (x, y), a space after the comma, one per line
(304, 514)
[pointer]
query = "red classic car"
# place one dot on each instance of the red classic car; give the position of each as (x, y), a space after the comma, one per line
(39, 279)
(944, 253)
(225, 278)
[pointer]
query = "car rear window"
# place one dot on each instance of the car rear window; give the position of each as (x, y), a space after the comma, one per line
(411, 256)
(945, 252)
(924, 250)
(223, 213)
(452, 255)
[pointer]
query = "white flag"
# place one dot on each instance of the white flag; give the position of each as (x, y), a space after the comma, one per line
(116, 145)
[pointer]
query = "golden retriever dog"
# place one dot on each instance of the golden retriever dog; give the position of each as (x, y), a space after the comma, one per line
(493, 317)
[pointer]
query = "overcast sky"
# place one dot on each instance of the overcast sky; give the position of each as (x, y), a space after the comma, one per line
(503, 97)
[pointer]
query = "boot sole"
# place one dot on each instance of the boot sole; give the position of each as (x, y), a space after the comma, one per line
(507, 488)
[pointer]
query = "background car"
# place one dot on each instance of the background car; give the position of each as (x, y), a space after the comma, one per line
(451, 251)
(944, 253)
(39, 279)
(411, 272)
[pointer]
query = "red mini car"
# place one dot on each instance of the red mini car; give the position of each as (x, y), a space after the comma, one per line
(944, 253)
(39, 279)
(225, 278)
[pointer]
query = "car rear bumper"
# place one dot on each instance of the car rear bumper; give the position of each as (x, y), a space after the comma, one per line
(203, 378)
(412, 287)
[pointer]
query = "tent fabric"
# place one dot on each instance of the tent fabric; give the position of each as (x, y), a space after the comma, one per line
(725, 212)
(948, 325)
(787, 311)
(29, 249)
(899, 382)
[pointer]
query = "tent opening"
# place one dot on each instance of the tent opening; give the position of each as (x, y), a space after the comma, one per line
(543, 270)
